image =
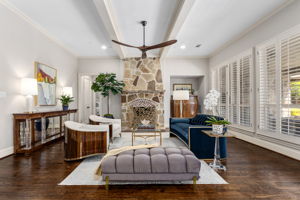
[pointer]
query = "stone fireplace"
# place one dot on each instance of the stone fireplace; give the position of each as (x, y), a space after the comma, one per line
(143, 84)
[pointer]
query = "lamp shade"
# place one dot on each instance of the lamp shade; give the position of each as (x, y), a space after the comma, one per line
(29, 86)
(181, 95)
(67, 91)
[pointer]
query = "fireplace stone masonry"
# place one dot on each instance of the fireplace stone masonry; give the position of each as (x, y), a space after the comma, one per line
(143, 80)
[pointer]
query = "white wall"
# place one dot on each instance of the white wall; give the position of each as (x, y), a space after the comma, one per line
(181, 67)
(94, 67)
(21, 45)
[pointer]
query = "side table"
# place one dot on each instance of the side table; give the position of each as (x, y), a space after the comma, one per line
(216, 164)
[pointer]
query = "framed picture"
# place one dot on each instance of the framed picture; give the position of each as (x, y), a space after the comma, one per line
(46, 79)
(182, 86)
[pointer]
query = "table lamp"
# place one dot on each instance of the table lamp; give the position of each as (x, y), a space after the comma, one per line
(181, 95)
(29, 88)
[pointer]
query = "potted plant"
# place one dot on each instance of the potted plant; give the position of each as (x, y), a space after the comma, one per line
(106, 84)
(65, 101)
(217, 125)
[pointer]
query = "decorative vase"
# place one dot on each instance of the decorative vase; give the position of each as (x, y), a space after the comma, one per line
(217, 129)
(65, 107)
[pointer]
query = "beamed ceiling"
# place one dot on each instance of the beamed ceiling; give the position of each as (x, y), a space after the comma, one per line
(84, 27)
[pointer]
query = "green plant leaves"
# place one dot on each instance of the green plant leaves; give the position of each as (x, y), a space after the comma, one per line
(213, 120)
(66, 99)
(106, 83)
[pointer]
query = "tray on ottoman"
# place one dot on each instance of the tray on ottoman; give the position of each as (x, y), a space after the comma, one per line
(154, 164)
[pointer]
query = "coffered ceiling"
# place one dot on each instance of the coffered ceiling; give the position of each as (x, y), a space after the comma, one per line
(86, 27)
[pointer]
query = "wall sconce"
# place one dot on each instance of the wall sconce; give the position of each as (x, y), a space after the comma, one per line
(28, 89)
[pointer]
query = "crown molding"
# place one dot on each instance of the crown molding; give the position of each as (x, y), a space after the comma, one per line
(251, 28)
(21, 14)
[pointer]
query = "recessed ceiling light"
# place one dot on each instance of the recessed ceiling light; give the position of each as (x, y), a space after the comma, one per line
(103, 47)
(198, 45)
(182, 46)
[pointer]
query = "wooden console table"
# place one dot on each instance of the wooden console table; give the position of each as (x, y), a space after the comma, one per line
(34, 130)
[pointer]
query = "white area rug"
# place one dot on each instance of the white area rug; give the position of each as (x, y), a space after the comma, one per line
(84, 174)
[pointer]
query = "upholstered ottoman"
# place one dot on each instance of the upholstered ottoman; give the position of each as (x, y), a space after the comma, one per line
(154, 164)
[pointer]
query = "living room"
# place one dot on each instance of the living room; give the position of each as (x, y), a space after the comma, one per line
(149, 99)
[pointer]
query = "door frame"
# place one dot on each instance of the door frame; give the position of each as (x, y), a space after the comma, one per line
(81, 98)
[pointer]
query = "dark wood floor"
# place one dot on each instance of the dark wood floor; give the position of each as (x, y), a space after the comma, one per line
(253, 173)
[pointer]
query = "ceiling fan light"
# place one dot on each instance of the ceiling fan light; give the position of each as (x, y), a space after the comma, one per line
(104, 47)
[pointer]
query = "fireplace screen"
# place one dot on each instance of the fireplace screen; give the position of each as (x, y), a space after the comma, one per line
(144, 114)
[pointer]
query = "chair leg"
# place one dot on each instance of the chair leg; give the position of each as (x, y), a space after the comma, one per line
(194, 180)
(106, 182)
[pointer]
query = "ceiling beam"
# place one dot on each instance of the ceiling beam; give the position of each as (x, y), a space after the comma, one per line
(105, 11)
(181, 14)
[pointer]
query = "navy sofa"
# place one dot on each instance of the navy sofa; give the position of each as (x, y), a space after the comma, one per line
(189, 130)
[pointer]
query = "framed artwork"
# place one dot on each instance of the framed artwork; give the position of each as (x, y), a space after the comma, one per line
(182, 86)
(46, 79)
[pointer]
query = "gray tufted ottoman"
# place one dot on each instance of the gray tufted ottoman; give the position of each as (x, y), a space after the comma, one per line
(154, 164)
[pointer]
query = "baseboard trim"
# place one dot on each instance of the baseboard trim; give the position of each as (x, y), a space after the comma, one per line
(292, 153)
(6, 152)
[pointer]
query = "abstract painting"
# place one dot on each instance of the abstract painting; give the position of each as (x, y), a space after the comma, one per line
(46, 79)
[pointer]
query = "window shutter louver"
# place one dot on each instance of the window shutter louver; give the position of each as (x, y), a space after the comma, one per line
(223, 91)
(267, 88)
(235, 87)
(234, 98)
(290, 85)
(245, 90)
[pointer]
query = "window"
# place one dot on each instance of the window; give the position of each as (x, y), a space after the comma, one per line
(235, 86)
(267, 88)
(279, 85)
(223, 91)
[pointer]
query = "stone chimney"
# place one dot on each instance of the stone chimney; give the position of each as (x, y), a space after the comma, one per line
(143, 80)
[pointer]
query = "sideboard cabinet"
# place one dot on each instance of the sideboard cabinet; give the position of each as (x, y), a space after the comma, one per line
(34, 130)
(190, 107)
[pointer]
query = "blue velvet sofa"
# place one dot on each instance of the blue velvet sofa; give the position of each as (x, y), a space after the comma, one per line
(189, 130)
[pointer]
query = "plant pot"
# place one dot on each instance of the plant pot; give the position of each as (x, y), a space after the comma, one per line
(218, 129)
(65, 107)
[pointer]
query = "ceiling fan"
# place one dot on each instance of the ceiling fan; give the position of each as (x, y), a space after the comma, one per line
(145, 48)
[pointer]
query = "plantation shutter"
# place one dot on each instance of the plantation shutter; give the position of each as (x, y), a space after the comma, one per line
(234, 113)
(245, 90)
(223, 91)
(267, 88)
(290, 85)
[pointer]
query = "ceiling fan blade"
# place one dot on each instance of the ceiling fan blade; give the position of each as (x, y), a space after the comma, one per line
(127, 45)
(161, 45)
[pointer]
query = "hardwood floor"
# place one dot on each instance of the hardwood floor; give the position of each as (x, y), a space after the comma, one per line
(253, 173)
